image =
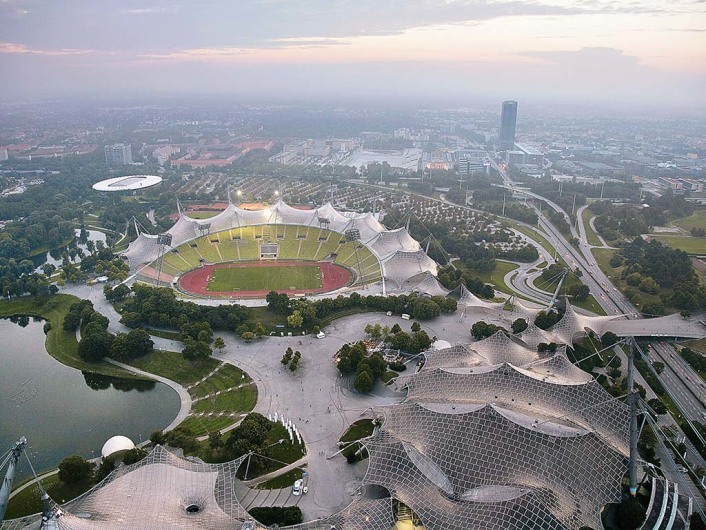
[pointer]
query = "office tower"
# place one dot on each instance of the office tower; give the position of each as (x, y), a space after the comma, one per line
(508, 120)
(118, 154)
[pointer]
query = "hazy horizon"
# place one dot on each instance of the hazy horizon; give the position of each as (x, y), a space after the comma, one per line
(645, 54)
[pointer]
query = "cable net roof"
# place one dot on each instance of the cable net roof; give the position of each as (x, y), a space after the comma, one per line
(500, 348)
(143, 250)
(583, 404)
(424, 282)
(154, 493)
(402, 265)
(466, 297)
(389, 242)
(435, 457)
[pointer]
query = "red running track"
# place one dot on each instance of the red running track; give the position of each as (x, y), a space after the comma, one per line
(196, 281)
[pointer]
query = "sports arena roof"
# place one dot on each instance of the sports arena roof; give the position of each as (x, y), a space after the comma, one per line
(127, 183)
(404, 264)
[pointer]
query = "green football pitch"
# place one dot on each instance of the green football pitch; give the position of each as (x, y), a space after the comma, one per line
(282, 278)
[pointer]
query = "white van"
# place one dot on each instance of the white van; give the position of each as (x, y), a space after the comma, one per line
(405, 316)
(321, 335)
(297, 488)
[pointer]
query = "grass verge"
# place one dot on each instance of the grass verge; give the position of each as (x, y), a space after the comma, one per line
(28, 501)
(357, 430)
(592, 237)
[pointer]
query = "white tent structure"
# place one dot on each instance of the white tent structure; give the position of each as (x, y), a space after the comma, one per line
(404, 265)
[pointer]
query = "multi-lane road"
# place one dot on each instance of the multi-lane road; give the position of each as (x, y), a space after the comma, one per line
(683, 384)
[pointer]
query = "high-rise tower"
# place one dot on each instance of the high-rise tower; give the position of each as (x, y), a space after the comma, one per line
(508, 120)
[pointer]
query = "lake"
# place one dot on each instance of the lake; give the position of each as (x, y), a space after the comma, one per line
(63, 411)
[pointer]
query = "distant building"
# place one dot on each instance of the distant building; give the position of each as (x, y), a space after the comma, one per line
(532, 155)
(118, 154)
(508, 122)
(469, 165)
(3, 155)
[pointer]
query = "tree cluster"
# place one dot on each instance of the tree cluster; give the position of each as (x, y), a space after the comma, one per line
(546, 319)
(647, 264)
(451, 277)
(159, 307)
(482, 330)
(18, 278)
(291, 359)
(96, 342)
(278, 515)
(695, 359)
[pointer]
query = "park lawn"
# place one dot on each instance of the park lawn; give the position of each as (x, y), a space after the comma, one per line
(201, 426)
(496, 278)
(697, 345)
(283, 481)
(690, 245)
(592, 237)
(227, 376)
(695, 220)
(358, 430)
(603, 257)
(28, 501)
(61, 345)
(265, 278)
(237, 400)
(174, 366)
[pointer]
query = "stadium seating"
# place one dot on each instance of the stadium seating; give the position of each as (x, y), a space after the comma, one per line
(243, 243)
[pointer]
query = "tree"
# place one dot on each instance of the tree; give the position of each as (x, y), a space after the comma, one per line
(219, 343)
(416, 327)
(295, 320)
(215, 440)
(94, 346)
(247, 336)
(658, 366)
(579, 291)
(75, 470)
(134, 455)
(630, 513)
(349, 357)
(158, 438)
(519, 325)
(657, 405)
(182, 437)
(363, 382)
(609, 339)
(196, 350)
(481, 330)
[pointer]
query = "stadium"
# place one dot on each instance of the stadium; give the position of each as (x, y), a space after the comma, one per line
(243, 253)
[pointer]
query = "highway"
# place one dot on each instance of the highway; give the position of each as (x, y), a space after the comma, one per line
(683, 384)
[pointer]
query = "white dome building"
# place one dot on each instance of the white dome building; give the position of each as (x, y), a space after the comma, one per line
(116, 445)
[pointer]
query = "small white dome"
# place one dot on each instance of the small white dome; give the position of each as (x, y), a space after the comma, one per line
(117, 444)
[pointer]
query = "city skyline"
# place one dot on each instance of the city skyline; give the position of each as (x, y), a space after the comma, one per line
(645, 53)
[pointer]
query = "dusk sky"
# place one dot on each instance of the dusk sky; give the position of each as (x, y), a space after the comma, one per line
(641, 51)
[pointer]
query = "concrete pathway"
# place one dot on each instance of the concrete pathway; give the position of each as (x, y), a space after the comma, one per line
(184, 396)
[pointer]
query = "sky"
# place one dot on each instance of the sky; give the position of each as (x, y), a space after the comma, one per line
(641, 52)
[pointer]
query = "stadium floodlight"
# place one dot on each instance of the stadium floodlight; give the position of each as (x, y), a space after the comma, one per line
(352, 235)
(163, 240)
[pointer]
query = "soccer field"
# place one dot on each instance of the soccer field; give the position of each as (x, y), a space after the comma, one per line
(281, 278)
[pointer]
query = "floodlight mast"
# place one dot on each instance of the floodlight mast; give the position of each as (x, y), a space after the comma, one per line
(14, 456)
(633, 397)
